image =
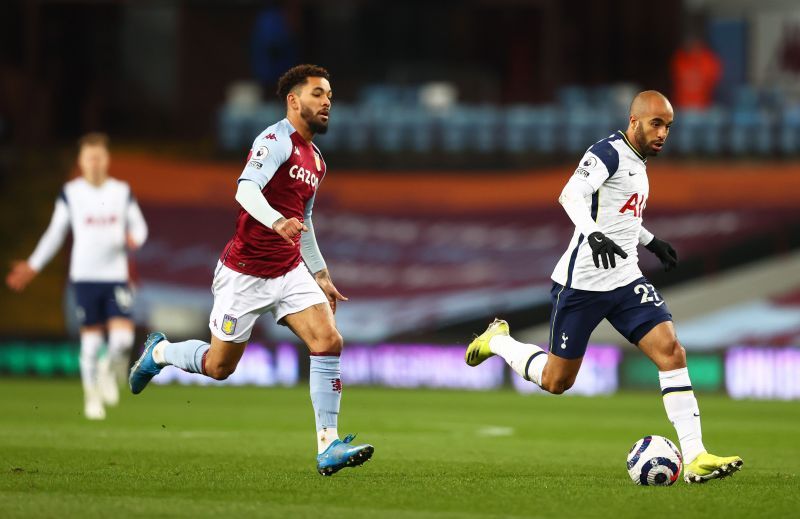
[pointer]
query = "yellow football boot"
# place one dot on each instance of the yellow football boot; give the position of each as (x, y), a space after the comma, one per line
(478, 350)
(707, 466)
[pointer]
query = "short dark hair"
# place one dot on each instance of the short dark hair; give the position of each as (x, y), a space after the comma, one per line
(297, 76)
(93, 139)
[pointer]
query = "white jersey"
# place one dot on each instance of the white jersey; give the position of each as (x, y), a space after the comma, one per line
(101, 218)
(617, 175)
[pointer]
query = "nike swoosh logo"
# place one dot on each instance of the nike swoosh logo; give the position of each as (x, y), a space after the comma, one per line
(696, 414)
(659, 304)
(598, 240)
(631, 173)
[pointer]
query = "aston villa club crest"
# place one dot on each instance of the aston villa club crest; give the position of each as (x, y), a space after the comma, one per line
(228, 324)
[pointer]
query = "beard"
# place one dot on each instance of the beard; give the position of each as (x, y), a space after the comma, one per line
(314, 125)
(641, 141)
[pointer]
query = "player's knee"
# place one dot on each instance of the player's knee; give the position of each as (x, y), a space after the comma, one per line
(671, 355)
(556, 385)
(219, 371)
(330, 342)
(677, 354)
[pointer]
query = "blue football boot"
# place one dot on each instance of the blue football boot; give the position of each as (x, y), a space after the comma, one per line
(145, 368)
(341, 454)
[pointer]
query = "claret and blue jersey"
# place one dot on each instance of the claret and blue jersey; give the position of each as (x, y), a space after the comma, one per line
(288, 169)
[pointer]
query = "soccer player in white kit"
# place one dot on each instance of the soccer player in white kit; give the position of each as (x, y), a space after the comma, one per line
(106, 224)
(605, 199)
(273, 264)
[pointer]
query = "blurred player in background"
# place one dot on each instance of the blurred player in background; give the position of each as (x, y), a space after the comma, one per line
(106, 223)
(605, 199)
(273, 264)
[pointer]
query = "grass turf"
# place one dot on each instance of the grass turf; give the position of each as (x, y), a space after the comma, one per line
(211, 451)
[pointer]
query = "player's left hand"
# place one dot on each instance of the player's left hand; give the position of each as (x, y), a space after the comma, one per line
(324, 281)
(664, 252)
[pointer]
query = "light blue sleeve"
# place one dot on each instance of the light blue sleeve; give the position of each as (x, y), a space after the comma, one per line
(269, 151)
(308, 242)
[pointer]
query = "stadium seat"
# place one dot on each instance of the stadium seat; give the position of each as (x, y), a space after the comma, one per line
(471, 128)
(353, 124)
(519, 122)
(573, 97)
(711, 134)
(583, 127)
(405, 128)
(686, 125)
(789, 130)
(391, 119)
(750, 124)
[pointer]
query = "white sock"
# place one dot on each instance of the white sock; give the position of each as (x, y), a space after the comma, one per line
(91, 343)
(325, 437)
(682, 411)
(158, 353)
(527, 360)
(120, 342)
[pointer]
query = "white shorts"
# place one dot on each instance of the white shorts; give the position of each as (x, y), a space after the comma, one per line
(240, 299)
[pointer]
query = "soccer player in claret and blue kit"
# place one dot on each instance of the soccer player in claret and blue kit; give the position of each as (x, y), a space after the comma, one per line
(598, 278)
(273, 264)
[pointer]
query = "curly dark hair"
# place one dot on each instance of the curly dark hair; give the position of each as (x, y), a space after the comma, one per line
(298, 76)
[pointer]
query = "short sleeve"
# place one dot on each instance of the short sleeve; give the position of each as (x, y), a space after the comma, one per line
(269, 151)
(598, 164)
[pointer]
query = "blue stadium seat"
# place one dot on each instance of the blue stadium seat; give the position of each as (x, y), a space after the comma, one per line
(486, 129)
(265, 115)
(573, 97)
(334, 139)
(422, 127)
(712, 133)
(377, 94)
(529, 128)
(789, 130)
(583, 127)
(750, 124)
(404, 128)
(349, 128)
(231, 130)
(750, 132)
(471, 128)
(685, 130)
(518, 124)
(389, 118)
(238, 126)
(546, 129)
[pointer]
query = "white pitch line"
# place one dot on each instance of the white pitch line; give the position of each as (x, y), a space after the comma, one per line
(495, 431)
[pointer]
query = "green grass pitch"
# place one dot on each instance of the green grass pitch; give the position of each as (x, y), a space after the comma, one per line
(246, 452)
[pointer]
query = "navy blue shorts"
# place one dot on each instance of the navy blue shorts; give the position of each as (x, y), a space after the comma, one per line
(96, 303)
(633, 310)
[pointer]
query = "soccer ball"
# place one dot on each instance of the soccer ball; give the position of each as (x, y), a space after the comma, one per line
(654, 460)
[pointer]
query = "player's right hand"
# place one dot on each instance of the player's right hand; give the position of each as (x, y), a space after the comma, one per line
(21, 274)
(604, 248)
(288, 229)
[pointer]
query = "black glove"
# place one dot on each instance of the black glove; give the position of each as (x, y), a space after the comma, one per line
(664, 252)
(605, 248)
